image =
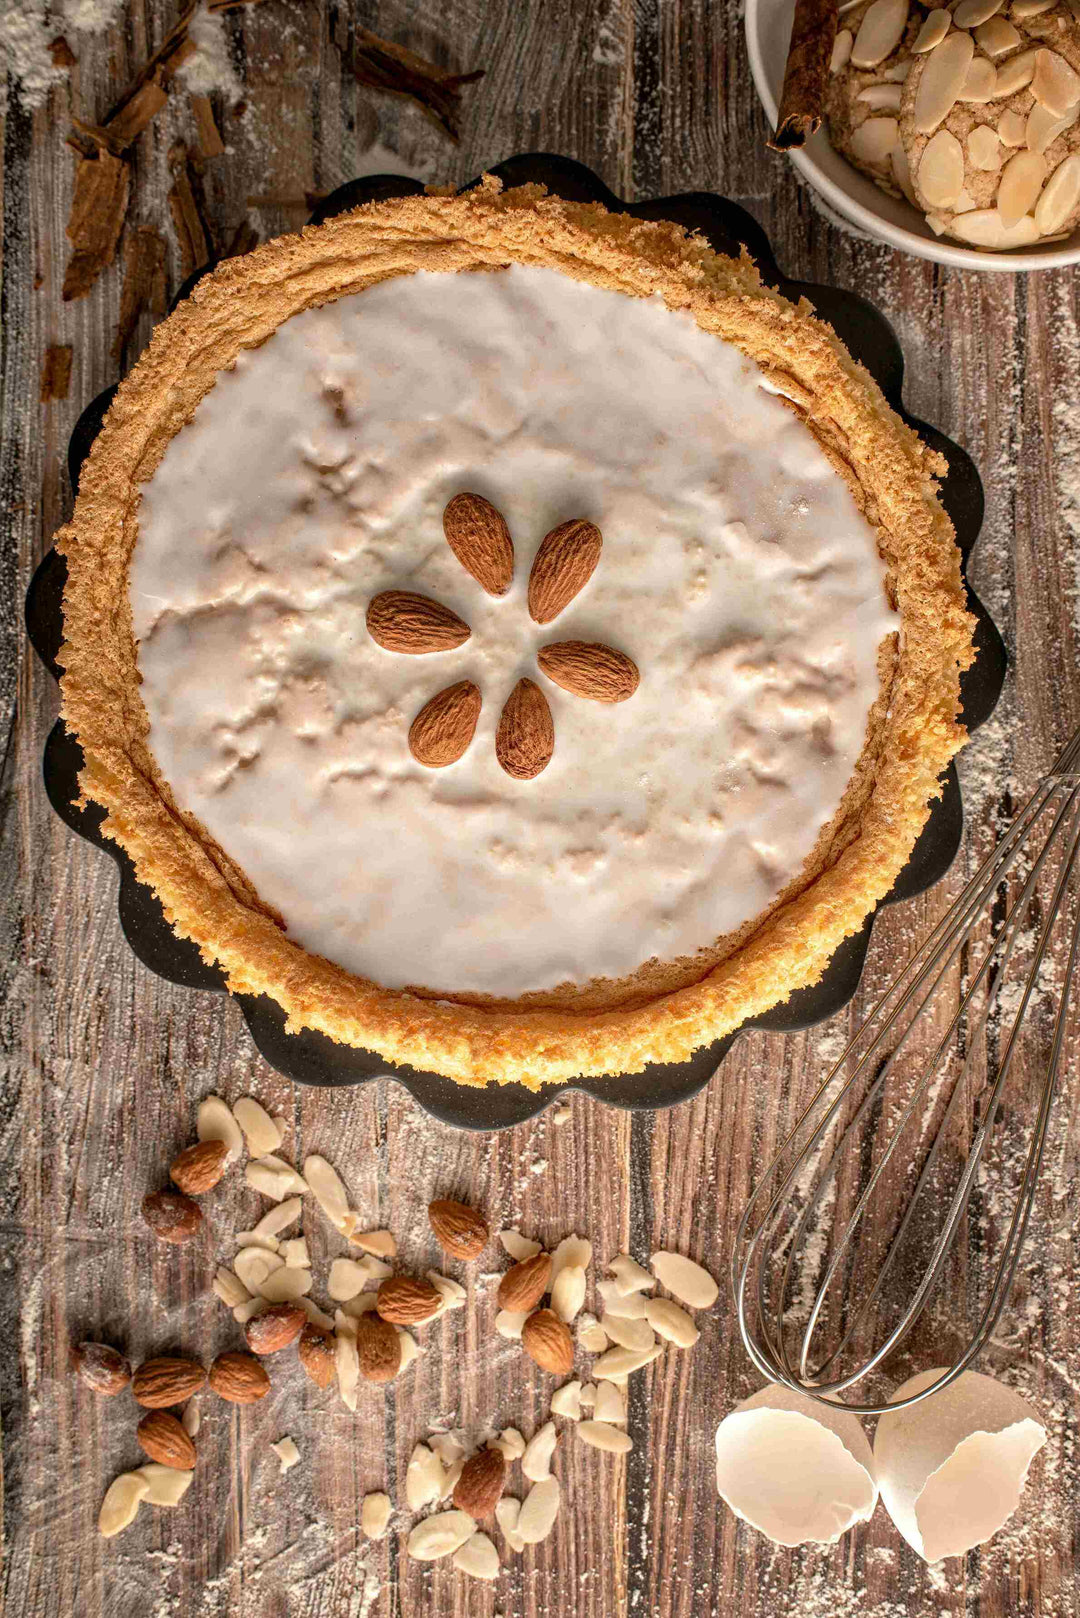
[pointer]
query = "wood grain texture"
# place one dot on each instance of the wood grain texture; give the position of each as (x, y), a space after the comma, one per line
(102, 1064)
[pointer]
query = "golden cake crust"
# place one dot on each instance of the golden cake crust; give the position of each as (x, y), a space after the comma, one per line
(599, 1028)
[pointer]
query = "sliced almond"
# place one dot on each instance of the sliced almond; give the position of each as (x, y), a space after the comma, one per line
(983, 148)
(285, 1285)
(935, 25)
(628, 1308)
(573, 1252)
(941, 169)
(630, 1276)
(879, 32)
(325, 1185)
(165, 1485)
(274, 1178)
(346, 1360)
(881, 97)
(1012, 128)
(508, 1323)
(901, 170)
(591, 1335)
(478, 536)
(997, 36)
(346, 1279)
(254, 1265)
(443, 730)
(277, 1219)
(262, 1133)
(980, 82)
(121, 1502)
(1031, 8)
(380, 1243)
(317, 1316)
(410, 1348)
(690, 1283)
(671, 1322)
(401, 621)
(970, 13)
(507, 1513)
(525, 738)
(601, 1436)
(511, 1443)
(635, 1334)
(452, 1293)
(1016, 74)
(568, 1293)
(1060, 196)
(518, 1246)
(1054, 83)
(983, 228)
(287, 1453)
(243, 1312)
(619, 1363)
(214, 1121)
(841, 51)
(536, 1460)
(440, 1536)
(874, 140)
(566, 1401)
(229, 1287)
(1044, 127)
(375, 1513)
(423, 1478)
(538, 1512)
(943, 75)
(295, 1253)
(478, 1558)
(1021, 181)
(610, 1403)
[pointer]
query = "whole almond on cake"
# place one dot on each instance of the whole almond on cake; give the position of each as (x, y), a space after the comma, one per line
(589, 669)
(315, 1351)
(162, 1437)
(199, 1168)
(275, 1328)
(481, 1483)
(104, 1370)
(458, 1228)
(564, 564)
(172, 1216)
(525, 739)
(378, 1348)
(165, 1381)
(442, 730)
(548, 1342)
(478, 536)
(522, 1287)
(400, 621)
(239, 1378)
(405, 1300)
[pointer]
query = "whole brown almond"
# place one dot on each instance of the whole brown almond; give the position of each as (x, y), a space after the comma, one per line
(444, 727)
(104, 1370)
(405, 1300)
(275, 1328)
(525, 739)
(481, 1483)
(400, 621)
(590, 669)
(199, 1168)
(315, 1351)
(378, 1348)
(478, 536)
(522, 1287)
(459, 1229)
(172, 1216)
(239, 1378)
(548, 1342)
(166, 1381)
(563, 566)
(161, 1436)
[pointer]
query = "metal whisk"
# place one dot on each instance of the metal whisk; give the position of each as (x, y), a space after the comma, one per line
(908, 1139)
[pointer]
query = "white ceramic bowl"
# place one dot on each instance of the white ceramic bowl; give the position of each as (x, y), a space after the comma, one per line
(851, 194)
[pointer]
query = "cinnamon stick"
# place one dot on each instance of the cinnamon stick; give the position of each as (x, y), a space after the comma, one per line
(56, 372)
(210, 141)
(381, 65)
(802, 100)
(192, 232)
(144, 284)
(102, 186)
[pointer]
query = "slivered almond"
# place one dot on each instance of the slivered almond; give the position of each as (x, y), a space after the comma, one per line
(934, 28)
(590, 669)
(943, 76)
(563, 566)
(400, 621)
(479, 538)
(442, 730)
(971, 13)
(879, 32)
(1054, 83)
(1060, 196)
(525, 739)
(1021, 181)
(522, 1287)
(1015, 74)
(941, 169)
(997, 36)
(875, 140)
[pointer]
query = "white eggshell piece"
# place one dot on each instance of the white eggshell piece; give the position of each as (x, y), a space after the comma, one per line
(798, 1471)
(952, 1468)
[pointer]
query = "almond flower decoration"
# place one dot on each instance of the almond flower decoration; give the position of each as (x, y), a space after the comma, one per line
(400, 621)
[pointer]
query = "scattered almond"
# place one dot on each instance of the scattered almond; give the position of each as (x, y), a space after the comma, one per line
(274, 1178)
(262, 1133)
(172, 1216)
(346, 1359)
(538, 1512)
(315, 1351)
(423, 1478)
(275, 1328)
(121, 1503)
(239, 1378)
(507, 1513)
(215, 1121)
(635, 1334)
(563, 566)
(601, 1436)
(378, 1243)
(618, 1363)
(511, 1443)
(518, 1246)
(630, 1277)
(459, 1229)
(610, 1403)
(378, 1349)
(688, 1281)
(522, 1287)
(287, 1453)
(200, 1167)
(104, 1370)
(509, 1322)
(671, 1322)
(566, 1401)
(229, 1288)
(452, 1295)
(624, 1306)
(445, 726)
(478, 536)
(440, 1535)
(162, 1437)
(589, 669)
(525, 738)
(404, 1300)
(548, 1343)
(482, 1479)
(254, 1265)
(375, 1512)
(166, 1485)
(568, 1292)
(536, 1461)
(478, 1558)
(166, 1381)
(326, 1187)
(400, 621)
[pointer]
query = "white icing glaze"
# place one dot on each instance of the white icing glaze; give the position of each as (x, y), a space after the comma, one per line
(736, 571)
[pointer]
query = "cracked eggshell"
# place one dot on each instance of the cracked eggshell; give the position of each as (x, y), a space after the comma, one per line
(952, 1468)
(798, 1471)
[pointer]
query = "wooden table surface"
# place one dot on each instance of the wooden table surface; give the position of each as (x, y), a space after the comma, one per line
(103, 1063)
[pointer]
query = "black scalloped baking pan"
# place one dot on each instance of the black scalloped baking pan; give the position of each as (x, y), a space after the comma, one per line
(311, 1058)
